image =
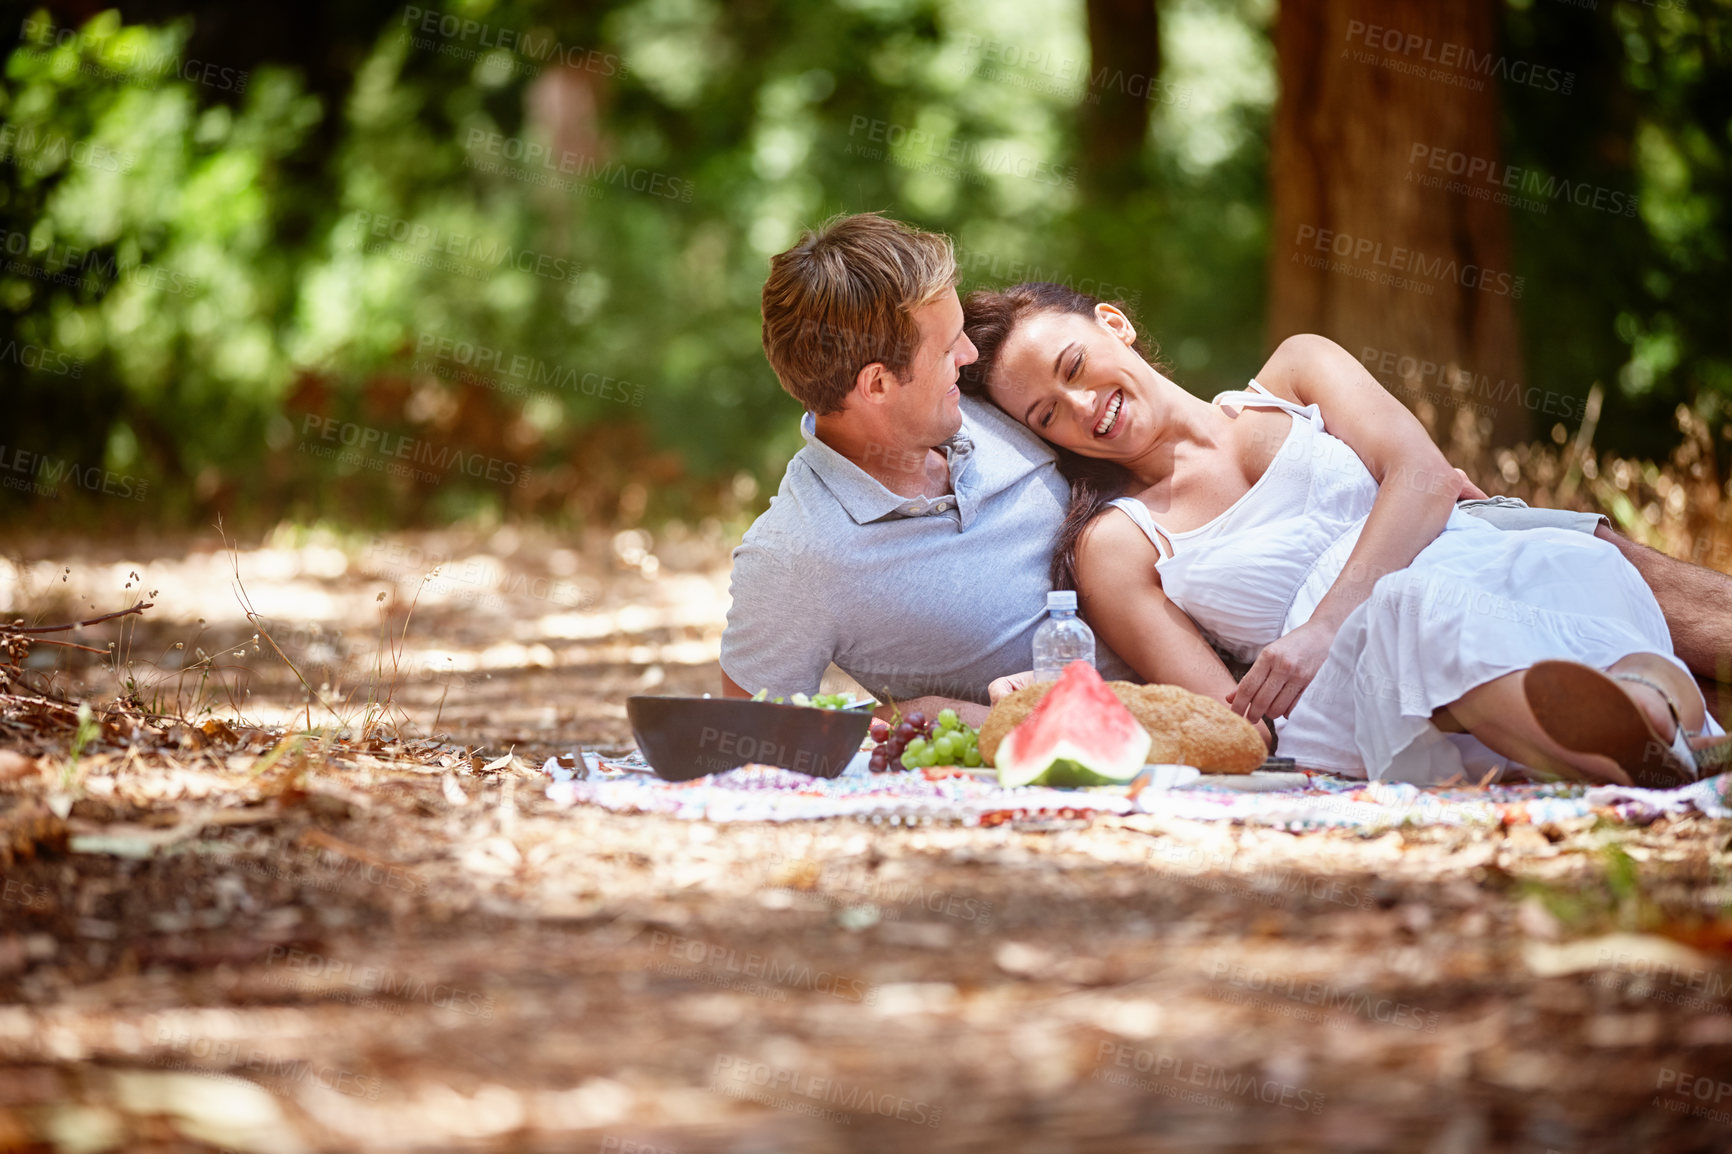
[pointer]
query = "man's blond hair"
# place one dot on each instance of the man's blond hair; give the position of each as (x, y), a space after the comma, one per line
(843, 297)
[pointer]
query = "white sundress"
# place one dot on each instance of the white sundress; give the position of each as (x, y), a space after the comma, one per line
(1475, 604)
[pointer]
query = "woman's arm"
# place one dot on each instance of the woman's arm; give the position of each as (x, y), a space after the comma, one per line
(1417, 487)
(1120, 593)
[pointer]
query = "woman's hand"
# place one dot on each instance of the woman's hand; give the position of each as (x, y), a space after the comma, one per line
(1271, 687)
(1469, 490)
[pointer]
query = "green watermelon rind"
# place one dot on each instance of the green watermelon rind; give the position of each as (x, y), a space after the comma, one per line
(1078, 686)
(1067, 774)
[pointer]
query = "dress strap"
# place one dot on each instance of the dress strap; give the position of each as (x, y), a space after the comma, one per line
(1257, 397)
(1139, 512)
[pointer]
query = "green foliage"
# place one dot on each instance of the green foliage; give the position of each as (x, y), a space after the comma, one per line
(524, 253)
(151, 255)
(1632, 295)
(298, 248)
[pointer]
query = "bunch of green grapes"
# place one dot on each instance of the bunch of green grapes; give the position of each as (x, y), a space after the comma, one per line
(947, 742)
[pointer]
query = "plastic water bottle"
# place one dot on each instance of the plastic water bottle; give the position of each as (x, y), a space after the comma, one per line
(1062, 638)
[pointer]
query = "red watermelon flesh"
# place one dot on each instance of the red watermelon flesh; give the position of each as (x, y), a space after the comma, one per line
(1078, 733)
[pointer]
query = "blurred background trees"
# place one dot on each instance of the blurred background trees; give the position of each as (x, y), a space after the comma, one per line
(533, 233)
(1371, 92)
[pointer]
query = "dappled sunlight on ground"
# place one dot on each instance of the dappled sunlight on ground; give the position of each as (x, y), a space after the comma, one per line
(518, 637)
(383, 935)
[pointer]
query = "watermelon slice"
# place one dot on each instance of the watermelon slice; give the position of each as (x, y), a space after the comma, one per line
(1079, 734)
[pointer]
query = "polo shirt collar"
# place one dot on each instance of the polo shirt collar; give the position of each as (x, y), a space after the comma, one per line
(862, 495)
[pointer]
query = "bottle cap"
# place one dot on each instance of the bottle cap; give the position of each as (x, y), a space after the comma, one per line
(1061, 599)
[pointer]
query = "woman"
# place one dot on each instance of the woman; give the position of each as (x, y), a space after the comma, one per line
(1308, 526)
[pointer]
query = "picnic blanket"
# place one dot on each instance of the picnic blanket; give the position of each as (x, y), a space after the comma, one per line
(1291, 801)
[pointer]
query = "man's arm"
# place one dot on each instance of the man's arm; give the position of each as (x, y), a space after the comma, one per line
(1696, 602)
(971, 712)
(779, 635)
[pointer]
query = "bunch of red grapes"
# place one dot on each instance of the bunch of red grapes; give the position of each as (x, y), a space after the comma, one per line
(891, 742)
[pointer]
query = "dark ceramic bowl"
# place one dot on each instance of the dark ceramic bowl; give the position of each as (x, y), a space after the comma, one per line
(687, 737)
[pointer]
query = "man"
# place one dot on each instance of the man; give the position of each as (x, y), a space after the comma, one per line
(911, 540)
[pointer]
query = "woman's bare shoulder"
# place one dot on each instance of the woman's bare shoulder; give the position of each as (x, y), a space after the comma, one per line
(1112, 544)
(1300, 358)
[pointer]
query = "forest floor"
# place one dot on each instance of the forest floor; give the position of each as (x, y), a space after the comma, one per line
(380, 935)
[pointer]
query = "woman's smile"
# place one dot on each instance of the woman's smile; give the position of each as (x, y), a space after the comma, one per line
(1108, 425)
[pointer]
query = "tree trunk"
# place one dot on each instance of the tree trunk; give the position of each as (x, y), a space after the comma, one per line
(1124, 67)
(1387, 234)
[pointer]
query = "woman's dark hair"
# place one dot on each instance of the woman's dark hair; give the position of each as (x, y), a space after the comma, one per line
(989, 318)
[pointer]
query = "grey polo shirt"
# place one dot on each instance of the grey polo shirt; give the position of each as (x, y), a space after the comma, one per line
(907, 595)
